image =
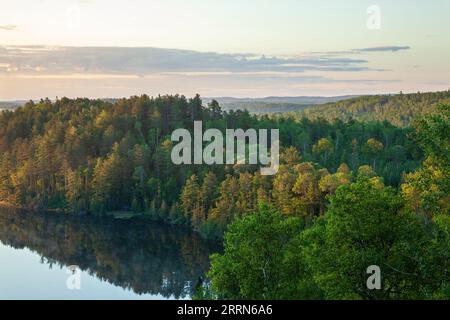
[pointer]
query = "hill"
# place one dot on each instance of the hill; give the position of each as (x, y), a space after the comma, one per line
(95, 156)
(273, 104)
(399, 109)
(10, 105)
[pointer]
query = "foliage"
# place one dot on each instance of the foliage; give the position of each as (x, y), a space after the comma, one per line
(256, 262)
(94, 156)
(400, 109)
(406, 234)
(428, 189)
(269, 256)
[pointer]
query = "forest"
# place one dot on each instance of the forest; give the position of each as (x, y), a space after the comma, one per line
(399, 109)
(91, 156)
(349, 193)
(404, 232)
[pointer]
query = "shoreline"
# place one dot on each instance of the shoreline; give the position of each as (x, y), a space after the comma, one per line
(8, 205)
(115, 215)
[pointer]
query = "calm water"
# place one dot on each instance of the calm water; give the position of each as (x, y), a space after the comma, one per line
(117, 259)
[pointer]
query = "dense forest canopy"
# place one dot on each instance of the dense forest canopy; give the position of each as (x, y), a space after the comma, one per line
(405, 235)
(92, 156)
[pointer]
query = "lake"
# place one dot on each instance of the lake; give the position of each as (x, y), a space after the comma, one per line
(58, 256)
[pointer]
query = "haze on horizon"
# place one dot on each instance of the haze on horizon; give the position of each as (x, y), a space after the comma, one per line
(256, 48)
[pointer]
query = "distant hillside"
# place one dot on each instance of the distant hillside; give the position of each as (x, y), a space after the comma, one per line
(273, 104)
(10, 104)
(399, 109)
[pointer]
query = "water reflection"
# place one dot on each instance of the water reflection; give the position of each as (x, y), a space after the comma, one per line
(146, 257)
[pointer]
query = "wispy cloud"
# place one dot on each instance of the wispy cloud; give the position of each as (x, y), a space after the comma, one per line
(36, 71)
(147, 60)
(8, 27)
(383, 49)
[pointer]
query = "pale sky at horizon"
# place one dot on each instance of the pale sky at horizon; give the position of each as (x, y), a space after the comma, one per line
(249, 48)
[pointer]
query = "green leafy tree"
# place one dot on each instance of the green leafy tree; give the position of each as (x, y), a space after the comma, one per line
(252, 266)
(191, 201)
(365, 225)
(427, 190)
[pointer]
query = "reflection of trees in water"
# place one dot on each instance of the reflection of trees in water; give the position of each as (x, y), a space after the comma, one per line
(143, 256)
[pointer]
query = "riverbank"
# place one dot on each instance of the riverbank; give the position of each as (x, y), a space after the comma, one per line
(10, 206)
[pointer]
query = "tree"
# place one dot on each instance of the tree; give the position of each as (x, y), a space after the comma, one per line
(225, 209)
(290, 156)
(306, 190)
(372, 149)
(191, 201)
(214, 108)
(282, 190)
(209, 193)
(432, 133)
(111, 184)
(252, 265)
(365, 225)
(366, 171)
(329, 183)
(323, 148)
(427, 190)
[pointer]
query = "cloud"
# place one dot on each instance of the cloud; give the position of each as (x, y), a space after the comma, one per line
(36, 71)
(383, 49)
(8, 27)
(147, 60)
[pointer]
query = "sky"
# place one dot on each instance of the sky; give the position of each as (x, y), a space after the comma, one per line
(245, 48)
